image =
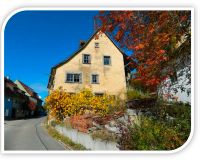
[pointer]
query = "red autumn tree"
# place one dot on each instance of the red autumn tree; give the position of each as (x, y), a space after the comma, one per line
(160, 41)
(32, 105)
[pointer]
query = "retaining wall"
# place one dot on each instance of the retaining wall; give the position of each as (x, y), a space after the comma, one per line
(85, 139)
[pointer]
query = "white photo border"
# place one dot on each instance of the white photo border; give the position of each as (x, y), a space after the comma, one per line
(95, 9)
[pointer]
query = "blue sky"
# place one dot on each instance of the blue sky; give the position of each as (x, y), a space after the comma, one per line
(37, 40)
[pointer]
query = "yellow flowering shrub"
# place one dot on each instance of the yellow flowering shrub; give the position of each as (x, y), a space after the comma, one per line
(61, 104)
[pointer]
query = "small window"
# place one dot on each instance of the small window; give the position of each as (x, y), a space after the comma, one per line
(73, 78)
(86, 59)
(76, 78)
(95, 79)
(106, 60)
(98, 94)
(69, 77)
(96, 45)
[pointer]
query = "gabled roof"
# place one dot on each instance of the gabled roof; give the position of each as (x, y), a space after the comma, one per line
(12, 92)
(9, 81)
(82, 47)
(79, 50)
(29, 90)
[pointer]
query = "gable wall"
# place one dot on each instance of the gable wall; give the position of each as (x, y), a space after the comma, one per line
(21, 87)
(111, 77)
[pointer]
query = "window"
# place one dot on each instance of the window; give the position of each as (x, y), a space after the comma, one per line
(96, 45)
(95, 79)
(106, 60)
(70, 78)
(98, 94)
(73, 78)
(86, 59)
(76, 78)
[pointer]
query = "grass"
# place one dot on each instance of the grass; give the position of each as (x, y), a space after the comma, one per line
(68, 142)
(136, 94)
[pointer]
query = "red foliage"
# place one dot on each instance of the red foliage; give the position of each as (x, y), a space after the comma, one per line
(81, 122)
(32, 105)
(151, 35)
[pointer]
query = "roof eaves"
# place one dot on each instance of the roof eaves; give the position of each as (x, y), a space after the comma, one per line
(27, 88)
(68, 59)
(116, 45)
(75, 53)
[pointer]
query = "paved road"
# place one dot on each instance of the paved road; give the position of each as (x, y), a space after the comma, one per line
(28, 134)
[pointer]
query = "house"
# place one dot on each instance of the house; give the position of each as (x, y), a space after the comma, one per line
(98, 64)
(15, 100)
(35, 103)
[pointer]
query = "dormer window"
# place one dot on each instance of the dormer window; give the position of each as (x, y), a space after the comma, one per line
(86, 59)
(96, 45)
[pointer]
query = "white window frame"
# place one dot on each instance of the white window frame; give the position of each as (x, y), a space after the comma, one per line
(89, 59)
(73, 75)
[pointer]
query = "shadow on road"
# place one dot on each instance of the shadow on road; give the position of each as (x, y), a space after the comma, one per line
(24, 118)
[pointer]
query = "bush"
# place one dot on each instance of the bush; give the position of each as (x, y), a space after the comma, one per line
(179, 112)
(151, 134)
(81, 123)
(136, 94)
(168, 128)
(53, 123)
(119, 105)
(61, 104)
(139, 85)
(182, 118)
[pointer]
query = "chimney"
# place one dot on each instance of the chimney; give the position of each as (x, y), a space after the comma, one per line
(82, 43)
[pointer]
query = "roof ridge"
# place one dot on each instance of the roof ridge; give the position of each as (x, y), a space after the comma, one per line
(81, 48)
